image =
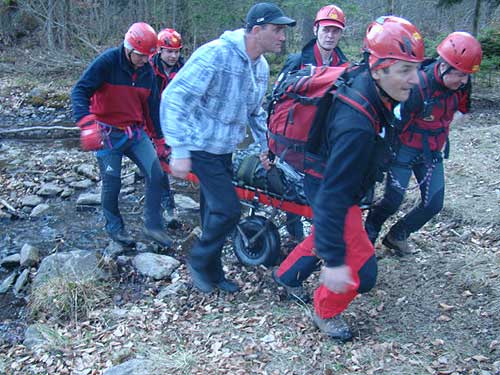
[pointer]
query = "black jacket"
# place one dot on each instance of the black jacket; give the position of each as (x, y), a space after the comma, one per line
(350, 145)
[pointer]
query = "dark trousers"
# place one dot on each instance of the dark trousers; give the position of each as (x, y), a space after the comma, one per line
(140, 150)
(219, 210)
(431, 184)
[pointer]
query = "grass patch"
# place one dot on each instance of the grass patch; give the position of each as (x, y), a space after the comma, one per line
(64, 299)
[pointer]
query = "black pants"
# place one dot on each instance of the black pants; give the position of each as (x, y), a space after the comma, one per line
(219, 210)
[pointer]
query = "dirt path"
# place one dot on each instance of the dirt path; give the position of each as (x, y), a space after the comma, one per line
(435, 312)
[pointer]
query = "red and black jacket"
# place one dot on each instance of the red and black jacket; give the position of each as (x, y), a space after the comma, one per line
(161, 77)
(116, 93)
(427, 114)
(310, 55)
(352, 144)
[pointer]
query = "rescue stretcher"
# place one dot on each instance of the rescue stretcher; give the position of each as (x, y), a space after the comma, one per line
(257, 240)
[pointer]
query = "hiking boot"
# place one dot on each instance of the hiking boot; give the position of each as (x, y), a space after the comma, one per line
(159, 236)
(200, 281)
(172, 220)
(400, 246)
(293, 292)
(123, 238)
(227, 286)
(335, 327)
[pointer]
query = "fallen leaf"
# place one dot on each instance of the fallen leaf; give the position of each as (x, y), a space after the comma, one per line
(446, 307)
(479, 358)
(444, 318)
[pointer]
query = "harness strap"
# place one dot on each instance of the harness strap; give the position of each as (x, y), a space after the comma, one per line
(130, 132)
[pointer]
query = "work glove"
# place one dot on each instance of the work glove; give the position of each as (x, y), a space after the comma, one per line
(162, 150)
(90, 133)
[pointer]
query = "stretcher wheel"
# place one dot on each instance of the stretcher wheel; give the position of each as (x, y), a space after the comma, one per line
(256, 241)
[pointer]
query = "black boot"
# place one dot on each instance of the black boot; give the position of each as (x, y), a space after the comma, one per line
(123, 238)
(159, 236)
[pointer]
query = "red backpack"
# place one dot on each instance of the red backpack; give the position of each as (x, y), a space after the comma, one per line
(298, 100)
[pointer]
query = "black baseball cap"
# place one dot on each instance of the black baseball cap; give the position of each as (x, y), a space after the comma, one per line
(262, 13)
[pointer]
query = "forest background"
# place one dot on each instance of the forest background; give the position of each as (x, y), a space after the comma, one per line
(72, 32)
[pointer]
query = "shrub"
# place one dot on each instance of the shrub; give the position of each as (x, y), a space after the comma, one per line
(64, 299)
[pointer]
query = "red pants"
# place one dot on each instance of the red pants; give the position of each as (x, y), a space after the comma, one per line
(359, 256)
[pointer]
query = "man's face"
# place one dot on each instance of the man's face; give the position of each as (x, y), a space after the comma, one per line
(454, 79)
(328, 36)
(271, 37)
(398, 79)
(170, 56)
(138, 60)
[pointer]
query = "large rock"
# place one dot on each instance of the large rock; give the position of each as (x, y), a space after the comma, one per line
(75, 265)
(49, 190)
(133, 367)
(89, 199)
(184, 202)
(30, 256)
(11, 261)
(31, 200)
(83, 184)
(155, 265)
(88, 171)
(39, 210)
(6, 284)
(36, 335)
(21, 281)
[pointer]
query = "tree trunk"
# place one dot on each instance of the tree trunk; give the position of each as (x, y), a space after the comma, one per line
(50, 24)
(477, 14)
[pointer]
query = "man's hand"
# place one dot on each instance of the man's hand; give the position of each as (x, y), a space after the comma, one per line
(162, 150)
(264, 159)
(180, 167)
(337, 279)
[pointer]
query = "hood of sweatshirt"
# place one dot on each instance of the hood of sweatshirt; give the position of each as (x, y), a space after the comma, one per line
(237, 39)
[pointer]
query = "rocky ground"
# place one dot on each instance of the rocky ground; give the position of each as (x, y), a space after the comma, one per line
(434, 312)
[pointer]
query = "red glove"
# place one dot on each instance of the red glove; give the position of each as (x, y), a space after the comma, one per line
(90, 133)
(162, 150)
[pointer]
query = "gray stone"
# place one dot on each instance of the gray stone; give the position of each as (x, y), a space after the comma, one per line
(49, 190)
(31, 200)
(39, 210)
(89, 199)
(75, 265)
(83, 184)
(172, 290)
(88, 171)
(132, 367)
(30, 256)
(21, 281)
(127, 190)
(8, 281)
(185, 202)
(11, 261)
(113, 250)
(34, 336)
(155, 266)
(67, 192)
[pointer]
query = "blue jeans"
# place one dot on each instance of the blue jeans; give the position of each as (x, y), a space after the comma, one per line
(219, 211)
(431, 184)
(140, 150)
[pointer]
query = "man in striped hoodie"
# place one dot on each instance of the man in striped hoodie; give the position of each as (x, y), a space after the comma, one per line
(204, 112)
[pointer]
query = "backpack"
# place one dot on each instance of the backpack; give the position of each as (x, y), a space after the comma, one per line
(298, 108)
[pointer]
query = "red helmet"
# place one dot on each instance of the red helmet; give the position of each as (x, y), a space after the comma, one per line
(169, 38)
(394, 38)
(330, 15)
(462, 51)
(141, 38)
